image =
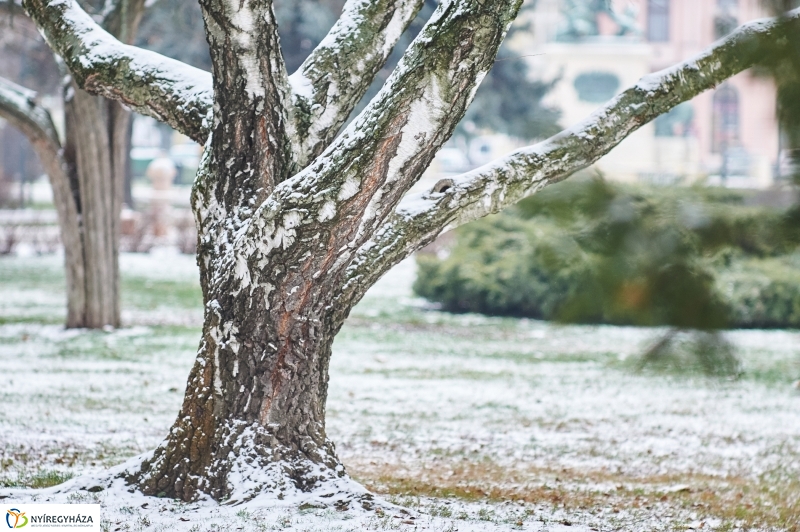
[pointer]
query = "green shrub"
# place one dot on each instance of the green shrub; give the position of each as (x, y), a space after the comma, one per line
(504, 265)
(763, 292)
(594, 252)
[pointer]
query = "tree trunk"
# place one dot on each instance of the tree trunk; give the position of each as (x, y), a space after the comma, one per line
(95, 133)
(253, 416)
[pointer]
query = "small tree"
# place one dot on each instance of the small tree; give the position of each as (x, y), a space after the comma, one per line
(86, 172)
(295, 223)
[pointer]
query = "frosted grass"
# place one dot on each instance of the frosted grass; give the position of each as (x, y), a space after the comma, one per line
(416, 395)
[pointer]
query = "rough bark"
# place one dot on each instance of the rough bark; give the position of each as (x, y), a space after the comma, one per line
(334, 78)
(294, 225)
(88, 119)
(253, 416)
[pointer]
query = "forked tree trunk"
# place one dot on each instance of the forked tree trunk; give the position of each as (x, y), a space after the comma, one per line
(253, 415)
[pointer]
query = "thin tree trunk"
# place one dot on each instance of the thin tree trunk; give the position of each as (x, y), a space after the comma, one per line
(99, 202)
(119, 130)
(69, 228)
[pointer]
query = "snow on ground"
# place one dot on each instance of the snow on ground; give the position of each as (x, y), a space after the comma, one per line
(469, 422)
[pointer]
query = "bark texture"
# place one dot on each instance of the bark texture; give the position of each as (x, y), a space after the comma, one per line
(295, 224)
(273, 251)
(89, 119)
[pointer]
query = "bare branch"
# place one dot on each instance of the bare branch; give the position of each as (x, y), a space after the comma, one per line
(19, 106)
(453, 202)
(144, 81)
(337, 74)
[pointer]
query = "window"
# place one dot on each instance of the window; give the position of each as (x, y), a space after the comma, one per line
(676, 123)
(726, 119)
(725, 21)
(658, 20)
(596, 87)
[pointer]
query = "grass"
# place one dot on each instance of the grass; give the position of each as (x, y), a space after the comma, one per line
(737, 502)
(39, 479)
(455, 415)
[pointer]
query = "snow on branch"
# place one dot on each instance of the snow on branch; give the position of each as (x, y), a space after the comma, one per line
(337, 74)
(19, 106)
(146, 82)
(350, 189)
(420, 218)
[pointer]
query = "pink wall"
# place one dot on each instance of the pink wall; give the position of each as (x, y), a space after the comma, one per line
(691, 31)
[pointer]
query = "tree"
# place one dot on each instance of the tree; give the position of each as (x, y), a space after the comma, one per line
(295, 223)
(87, 173)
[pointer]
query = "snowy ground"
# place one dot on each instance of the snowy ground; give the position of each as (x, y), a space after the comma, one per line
(469, 422)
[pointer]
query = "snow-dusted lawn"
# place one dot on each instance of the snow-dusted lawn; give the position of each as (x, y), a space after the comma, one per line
(472, 423)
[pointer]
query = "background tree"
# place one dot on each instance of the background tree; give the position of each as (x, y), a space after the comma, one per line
(86, 172)
(297, 221)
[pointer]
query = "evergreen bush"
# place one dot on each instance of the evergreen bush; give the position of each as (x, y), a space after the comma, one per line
(595, 252)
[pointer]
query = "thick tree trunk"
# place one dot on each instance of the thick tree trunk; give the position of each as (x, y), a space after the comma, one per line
(253, 417)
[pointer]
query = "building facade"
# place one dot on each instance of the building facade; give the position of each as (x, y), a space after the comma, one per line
(597, 48)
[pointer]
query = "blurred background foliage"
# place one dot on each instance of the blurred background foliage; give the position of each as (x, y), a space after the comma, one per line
(591, 251)
(694, 259)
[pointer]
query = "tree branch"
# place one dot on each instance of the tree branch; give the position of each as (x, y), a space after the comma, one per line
(337, 74)
(420, 218)
(360, 178)
(18, 105)
(148, 83)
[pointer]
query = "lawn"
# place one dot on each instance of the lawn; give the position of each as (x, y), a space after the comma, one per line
(468, 422)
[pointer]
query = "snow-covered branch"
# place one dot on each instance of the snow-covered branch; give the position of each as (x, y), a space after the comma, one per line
(148, 83)
(360, 178)
(19, 106)
(337, 74)
(450, 203)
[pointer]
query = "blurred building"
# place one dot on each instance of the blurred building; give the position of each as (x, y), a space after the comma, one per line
(597, 48)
